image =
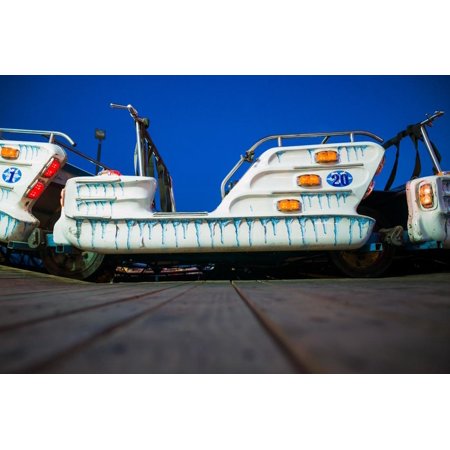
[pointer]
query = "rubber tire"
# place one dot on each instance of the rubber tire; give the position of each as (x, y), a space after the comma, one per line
(355, 264)
(87, 266)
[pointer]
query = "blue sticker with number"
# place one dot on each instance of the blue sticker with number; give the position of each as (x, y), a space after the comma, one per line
(11, 175)
(339, 178)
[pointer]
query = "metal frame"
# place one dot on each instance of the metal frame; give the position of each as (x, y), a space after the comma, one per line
(142, 136)
(49, 134)
(249, 154)
(427, 141)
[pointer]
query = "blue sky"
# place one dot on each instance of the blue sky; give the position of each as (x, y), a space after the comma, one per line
(201, 124)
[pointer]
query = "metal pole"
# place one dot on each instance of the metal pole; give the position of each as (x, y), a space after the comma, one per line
(99, 154)
(430, 149)
(140, 157)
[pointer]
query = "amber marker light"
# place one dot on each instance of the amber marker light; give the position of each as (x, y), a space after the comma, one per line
(288, 205)
(326, 156)
(426, 195)
(10, 152)
(309, 180)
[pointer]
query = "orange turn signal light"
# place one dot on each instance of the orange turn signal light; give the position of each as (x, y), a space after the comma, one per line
(309, 180)
(426, 195)
(326, 156)
(10, 152)
(288, 205)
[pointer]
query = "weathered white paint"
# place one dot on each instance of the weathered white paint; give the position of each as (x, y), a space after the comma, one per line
(16, 220)
(113, 214)
(431, 224)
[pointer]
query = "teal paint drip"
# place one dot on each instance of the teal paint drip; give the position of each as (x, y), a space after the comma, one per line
(237, 223)
(222, 225)
(141, 225)
(274, 221)
(211, 225)
(249, 225)
(301, 222)
(175, 225)
(184, 225)
(197, 224)
(93, 228)
(288, 223)
(130, 225)
(264, 223)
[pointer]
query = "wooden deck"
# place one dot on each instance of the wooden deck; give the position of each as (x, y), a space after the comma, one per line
(392, 325)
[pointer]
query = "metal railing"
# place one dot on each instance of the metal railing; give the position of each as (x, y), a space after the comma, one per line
(48, 134)
(145, 151)
(249, 154)
(51, 136)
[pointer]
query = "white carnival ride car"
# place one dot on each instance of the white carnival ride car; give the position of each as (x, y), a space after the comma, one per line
(293, 198)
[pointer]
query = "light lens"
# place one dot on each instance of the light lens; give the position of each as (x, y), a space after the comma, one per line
(288, 205)
(326, 156)
(369, 189)
(309, 180)
(426, 195)
(36, 191)
(10, 153)
(52, 168)
(380, 167)
(109, 172)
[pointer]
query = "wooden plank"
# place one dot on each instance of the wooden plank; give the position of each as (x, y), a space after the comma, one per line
(206, 330)
(31, 347)
(351, 326)
(14, 281)
(18, 311)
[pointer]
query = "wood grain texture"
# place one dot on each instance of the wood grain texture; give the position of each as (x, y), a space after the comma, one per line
(30, 347)
(362, 326)
(206, 330)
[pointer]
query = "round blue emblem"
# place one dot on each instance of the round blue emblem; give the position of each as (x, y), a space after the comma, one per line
(11, 175)
(339, 178)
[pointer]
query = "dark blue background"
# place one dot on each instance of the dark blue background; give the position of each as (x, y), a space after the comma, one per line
(201, 124)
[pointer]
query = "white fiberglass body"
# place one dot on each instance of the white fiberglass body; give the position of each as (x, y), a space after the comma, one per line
(113, 213)
(430, 223)
(17, 177)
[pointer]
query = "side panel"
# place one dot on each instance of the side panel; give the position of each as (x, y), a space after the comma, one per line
(113, 214)
(432, 223)
(16, 177)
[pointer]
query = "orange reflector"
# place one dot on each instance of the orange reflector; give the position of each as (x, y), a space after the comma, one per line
(52, 168)
(288, 205)
(369, 189)
(309, 180)
(426, 195)
(10, 153)
(36, 191)
(326, 156)
(381, 165)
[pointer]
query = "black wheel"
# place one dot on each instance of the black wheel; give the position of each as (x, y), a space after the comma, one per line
(88, 266)
(365, 264)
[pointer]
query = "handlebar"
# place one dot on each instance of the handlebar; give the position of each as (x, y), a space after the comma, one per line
(429, 120)
(133, 113)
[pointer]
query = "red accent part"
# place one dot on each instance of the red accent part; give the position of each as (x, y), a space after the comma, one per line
(52, 169)
(109, 172)
(36, 191)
